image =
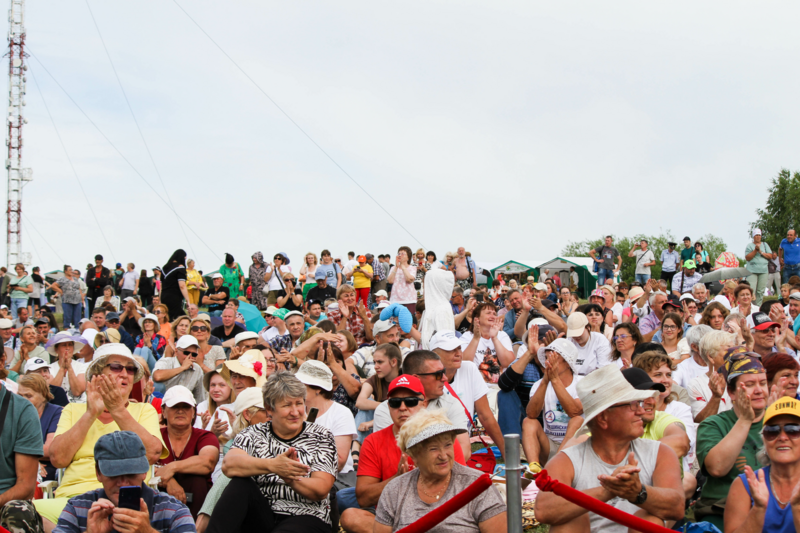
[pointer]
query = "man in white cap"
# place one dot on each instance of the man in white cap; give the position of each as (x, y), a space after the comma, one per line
(614, 465)
(216, 296)
(594, 350)
(271, 331)
(181, 369)
(466, 384)
(246, 340)
(40, 366)
(10, 343)
(383, 331)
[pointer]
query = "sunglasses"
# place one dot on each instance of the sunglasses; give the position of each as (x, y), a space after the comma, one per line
(771, 433)
(199, 328)
(436, 375)
(394, 403)
(292, 280)
(157, 312)
(190, 354)
(117, 368)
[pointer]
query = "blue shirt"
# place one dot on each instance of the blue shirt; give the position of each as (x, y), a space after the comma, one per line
(669, 260)
(167, 515)
(775, 519)
(330, 273)
(791, 252)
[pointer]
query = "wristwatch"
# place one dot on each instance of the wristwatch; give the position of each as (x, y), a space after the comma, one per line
(641, 497)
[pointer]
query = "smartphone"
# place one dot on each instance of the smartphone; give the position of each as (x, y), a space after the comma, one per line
(479, 297)
(129, 497)
(312, 415)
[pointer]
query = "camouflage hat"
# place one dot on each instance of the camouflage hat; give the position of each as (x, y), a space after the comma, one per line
(740, 364)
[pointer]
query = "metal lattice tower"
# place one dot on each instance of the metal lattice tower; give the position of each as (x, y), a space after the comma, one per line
(17, 176)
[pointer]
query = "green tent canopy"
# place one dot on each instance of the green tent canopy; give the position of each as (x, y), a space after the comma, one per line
(560, 266)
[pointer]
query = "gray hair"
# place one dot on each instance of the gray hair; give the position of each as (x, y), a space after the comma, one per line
(458, 290)
(652, 299)
(282, 385)
(241, 422)
(731, 317)
(696, 334)
(711, 343)
(698, 286)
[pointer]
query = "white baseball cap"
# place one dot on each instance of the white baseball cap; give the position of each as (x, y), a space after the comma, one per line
(35, 364)
(315, 373)
(445, 340)
(540, 287)
(245, 335)
(186, 341)
(250, 397)
(382, 326)
(382, 293)
(687, 296)
(216, 275)
(6, 323)
(178, 394)
(576, 323)
(383, 305)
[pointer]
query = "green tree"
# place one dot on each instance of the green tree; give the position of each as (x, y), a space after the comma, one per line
(711, 244)
(782, 211)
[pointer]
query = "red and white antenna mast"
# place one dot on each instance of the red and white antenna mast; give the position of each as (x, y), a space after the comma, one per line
(17, 176)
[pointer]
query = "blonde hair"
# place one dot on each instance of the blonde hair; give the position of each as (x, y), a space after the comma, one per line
(312, 254)
(174, 325)
(241, 422)
(417, 424)
(166, 313)
(37, 384)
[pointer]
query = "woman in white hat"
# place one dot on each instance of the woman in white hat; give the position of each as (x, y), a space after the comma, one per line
(249, 411)
(68, 370)
(150, 344)
(428, 438)
(109, 381)
(318, 379)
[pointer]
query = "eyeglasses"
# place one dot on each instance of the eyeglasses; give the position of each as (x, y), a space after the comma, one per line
(394, 403)
(634, 405)
(157, 312)
(117, 368)
(620, 338)
(199, 328)
(669, 328)
(436, 375)
(190, 354)
(771, 433)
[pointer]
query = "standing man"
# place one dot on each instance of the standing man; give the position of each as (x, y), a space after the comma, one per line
(688, 251)
(129, 283)
(789, 253)
(608, 261)
(669, 263)
(96, 280)
(333, 272)
(644, 260)
(465, 270)
(379, 275)
(758, 255)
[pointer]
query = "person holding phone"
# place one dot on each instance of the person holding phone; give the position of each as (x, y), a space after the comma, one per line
(124, 503)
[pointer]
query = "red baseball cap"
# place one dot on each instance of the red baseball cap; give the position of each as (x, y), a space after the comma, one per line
(408, 382)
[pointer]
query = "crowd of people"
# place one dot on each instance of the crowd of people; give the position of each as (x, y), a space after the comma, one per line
(356, 405)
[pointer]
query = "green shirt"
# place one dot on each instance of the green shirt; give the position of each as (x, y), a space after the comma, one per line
(687, 253)
(655, 430)
(758, 264)
(24, 281)
(711, 431)
(22, 433)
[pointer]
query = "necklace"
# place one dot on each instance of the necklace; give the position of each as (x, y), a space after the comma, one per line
(774, 490)
(438, 494)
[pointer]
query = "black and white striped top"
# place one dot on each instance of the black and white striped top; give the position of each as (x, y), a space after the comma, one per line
(315, 447)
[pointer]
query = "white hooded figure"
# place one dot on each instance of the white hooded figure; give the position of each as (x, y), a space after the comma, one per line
(438, 314)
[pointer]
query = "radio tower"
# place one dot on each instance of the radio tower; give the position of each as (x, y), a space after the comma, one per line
(17, 176)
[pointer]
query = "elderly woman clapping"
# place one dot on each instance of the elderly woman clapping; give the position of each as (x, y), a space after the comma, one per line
(429, 437)
(769, 499)
(281, 471)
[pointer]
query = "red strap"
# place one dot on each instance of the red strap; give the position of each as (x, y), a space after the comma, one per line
(454, 395)
(438, 515)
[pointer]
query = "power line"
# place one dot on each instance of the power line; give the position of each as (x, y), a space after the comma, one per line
(144, 141)
(69, 159)
(296, 124)
(28, 221)
(119, 152)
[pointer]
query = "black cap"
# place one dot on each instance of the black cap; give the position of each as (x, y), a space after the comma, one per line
(98, 257)
(42, 320)
(672, 243)
(687, 239)
(549, 304)
(640, 380)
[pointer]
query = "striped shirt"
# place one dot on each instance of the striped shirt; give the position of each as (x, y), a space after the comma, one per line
(167, 515)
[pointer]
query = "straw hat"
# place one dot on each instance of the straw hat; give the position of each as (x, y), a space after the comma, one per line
(103, 353)
(603, 388)
(315, 373)
(251, 364)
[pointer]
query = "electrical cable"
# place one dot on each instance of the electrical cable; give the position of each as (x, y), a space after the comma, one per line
(298, 125)
(69, 159)
(28, 221)
(138, 128)
(118, 151)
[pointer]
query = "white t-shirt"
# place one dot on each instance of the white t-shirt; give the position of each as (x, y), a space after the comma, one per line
(129, 280)
(275, 283)
(683, 412)
(270, 334)
(485, 345)
(641, 261)
(686, 371)
(555, 419)
(595, 354)
(339, 420)
(617, 311)
(700, 393)
(79, 367)
(469, 385)
(202, 407)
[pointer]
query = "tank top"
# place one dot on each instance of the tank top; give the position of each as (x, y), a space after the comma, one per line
(588, 465)
(776, 520)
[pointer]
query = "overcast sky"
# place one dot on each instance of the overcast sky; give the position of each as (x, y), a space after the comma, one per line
(509, 128)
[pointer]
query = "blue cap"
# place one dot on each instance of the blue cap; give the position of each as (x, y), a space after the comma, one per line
(113, 315)
(121, 454)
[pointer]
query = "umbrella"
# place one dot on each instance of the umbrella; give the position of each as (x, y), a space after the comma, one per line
(725, 273)
(726, 260)
(252, 316)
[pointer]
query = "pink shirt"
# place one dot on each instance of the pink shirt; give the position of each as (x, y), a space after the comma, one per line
(403, 292)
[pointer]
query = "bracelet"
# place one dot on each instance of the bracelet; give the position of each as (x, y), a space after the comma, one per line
(295, 361)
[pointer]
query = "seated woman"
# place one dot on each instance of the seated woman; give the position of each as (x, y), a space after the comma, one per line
(765, 500)
(281, 471)
(110, 297)
(388, 361)
(109, 380)
(209, 356)
(249, 411)
(186, 472)
(671, 337)
(215, 414)
(782, 370)
(150, 344)
(180, 327)
(429, 437)
(250, 370)
(68, 371)
(624, 341)
(34, 387)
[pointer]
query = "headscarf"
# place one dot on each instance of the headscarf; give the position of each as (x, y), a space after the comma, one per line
(258, 256)
(178, 259)
(438, 314)
(229, 259)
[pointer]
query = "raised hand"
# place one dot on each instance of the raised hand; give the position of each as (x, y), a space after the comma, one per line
(624, 481)
(717, 384)
(362, 311)
(758, 487)
(205, 418)
(551, 367)
(94, 401)
(112, 398)
(344, 309)
(97, 520)
(743, 404)
(219, 427)
(533, 340)
(550, 336)
(403, 466)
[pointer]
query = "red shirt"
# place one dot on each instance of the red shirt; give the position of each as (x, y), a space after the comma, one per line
(200, 439)
(380, 455)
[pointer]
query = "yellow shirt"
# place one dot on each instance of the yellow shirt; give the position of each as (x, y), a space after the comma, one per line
(80, 476)
(193, 275)
(360, 280)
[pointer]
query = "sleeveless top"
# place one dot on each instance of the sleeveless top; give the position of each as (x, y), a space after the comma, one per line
(776, 520)
(588, 466)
